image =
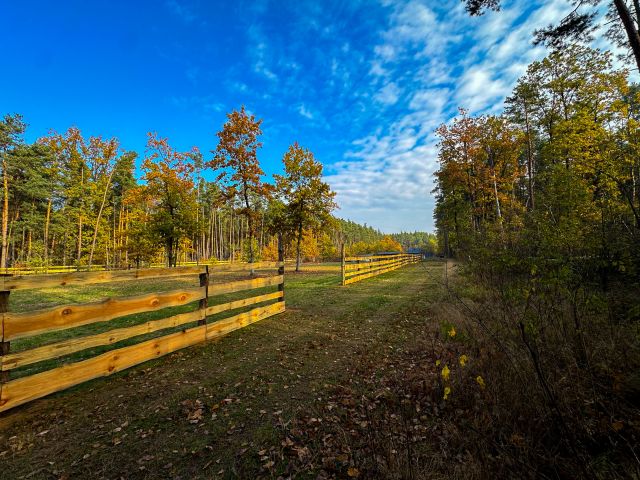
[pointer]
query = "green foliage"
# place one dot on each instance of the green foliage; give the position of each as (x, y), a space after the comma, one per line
(308, 200)
(542, 204)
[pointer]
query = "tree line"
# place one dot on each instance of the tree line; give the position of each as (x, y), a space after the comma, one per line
(73, 200)
(541, 205)
(556, 177)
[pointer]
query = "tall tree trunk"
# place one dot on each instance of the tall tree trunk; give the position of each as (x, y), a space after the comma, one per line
(531, 203)
(29, 245)
(5, 216)
(126, 238)
(250, 225)
(46, 233)
(169, 245)
(23, 246)
(64, 246)
(95, 230)
(79, 253)
(298, 247)
(630, 28)
(11, 239)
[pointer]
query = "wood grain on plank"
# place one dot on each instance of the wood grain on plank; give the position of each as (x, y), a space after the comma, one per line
(212, 310)
(66, 347)
(86, 278)
(227, 325)
(231, 287)
(18, 325)
(243, 266)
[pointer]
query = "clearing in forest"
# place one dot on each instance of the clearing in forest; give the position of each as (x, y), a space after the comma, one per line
(226, 408)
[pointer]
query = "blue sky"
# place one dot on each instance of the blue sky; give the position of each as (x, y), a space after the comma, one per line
(363, 84)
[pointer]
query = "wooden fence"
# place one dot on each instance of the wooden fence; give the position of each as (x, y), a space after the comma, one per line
(222, 265)
(193, 325)
(355, 269)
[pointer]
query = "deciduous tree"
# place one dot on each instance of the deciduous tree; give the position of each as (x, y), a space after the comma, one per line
(235, 157)
(169, 187)
(309, 200)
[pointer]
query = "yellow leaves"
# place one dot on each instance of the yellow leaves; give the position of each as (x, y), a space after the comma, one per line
(452, 332)
(438, 362)
(480, 381)
(463, 360)
(447, 392)
(445, 373)
(353, 472)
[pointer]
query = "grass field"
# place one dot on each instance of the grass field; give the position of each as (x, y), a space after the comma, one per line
(227, 408)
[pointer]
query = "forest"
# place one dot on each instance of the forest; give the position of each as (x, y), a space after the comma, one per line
(542, 204)
(80, 201)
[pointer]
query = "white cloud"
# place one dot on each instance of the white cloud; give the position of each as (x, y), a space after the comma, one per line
(479, 89)
(432, 99)
(389, 94)
(302, 110)
(424, 61)
(442, 59)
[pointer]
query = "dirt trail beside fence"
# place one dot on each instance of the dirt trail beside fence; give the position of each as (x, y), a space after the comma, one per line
(217, 410)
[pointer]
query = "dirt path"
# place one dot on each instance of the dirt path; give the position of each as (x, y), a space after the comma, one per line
(214, 410)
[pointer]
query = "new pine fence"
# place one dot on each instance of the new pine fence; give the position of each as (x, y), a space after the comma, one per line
(195, 328)
(218, 265)
(355, 269)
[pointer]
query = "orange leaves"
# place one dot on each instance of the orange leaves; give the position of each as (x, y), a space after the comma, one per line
(167, 172)
(164, 161)
(236, 154)
(479, 169)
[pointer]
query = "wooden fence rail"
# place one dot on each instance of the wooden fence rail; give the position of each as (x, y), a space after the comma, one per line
(355, 269)
(194, 325)
(217, 265)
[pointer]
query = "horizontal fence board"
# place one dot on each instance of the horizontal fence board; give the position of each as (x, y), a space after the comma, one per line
(240, 285)
(66, 347)
(245, 266)
(35, 386)
(222, 327)
(366, 269)
(369, 275)
(214, 309)
(22, 390)
(373, 271)
(18, 325)
(214, 266)
(226, 265)
(86, 278)
(356, 266)
(365, 266)
(371, 257)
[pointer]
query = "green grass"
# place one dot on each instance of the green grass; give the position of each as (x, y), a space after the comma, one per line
(251, 382)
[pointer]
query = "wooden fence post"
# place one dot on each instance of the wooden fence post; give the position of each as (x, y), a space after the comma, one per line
(281, 265)
(204, 302)
(4, 346)
(342, 263)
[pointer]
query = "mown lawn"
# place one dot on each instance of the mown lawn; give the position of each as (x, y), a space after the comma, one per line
(223, 409)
